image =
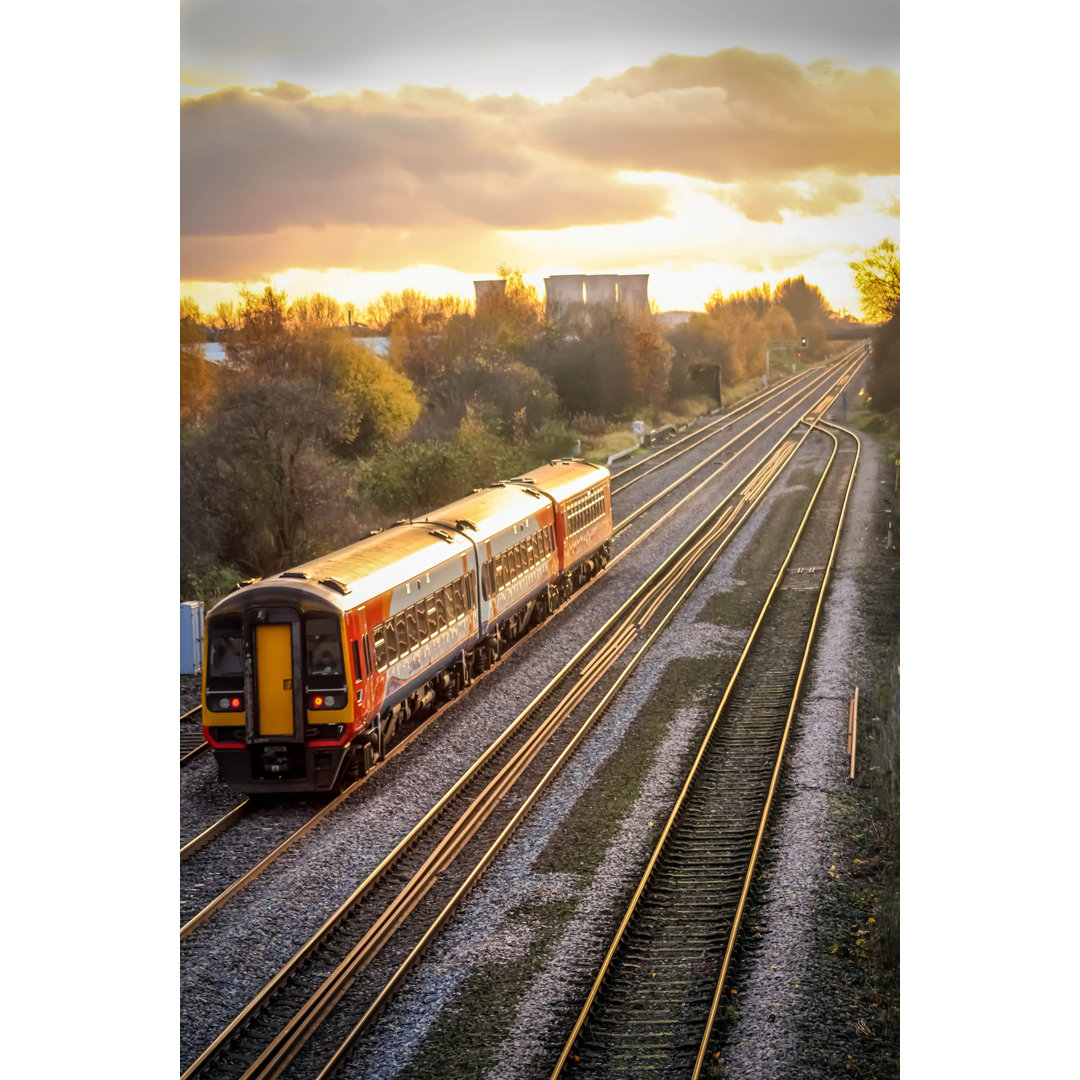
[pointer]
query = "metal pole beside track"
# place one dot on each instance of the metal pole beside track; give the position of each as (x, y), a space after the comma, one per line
(854, 731)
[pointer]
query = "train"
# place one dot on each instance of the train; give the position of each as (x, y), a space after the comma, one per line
(309, 674)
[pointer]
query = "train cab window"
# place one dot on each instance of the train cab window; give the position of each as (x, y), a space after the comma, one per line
(226, 653)
(322, 649)
(356, 672)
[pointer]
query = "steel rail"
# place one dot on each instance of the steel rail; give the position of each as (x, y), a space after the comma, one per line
(421, 826)
(675, 813)
(669, 513)
(826, 378)
(194, 750)
(759, 838)
(219, 826)
(735, 413)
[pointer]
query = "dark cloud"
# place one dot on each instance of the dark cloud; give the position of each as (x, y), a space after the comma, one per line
(376, 42)
(249, 258)
(256, 162)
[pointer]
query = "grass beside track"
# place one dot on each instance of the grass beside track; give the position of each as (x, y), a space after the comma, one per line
(465, 1039)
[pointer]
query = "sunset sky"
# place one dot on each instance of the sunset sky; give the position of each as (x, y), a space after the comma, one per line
(353, 147)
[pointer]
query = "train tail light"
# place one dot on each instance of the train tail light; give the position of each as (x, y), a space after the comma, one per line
(224, 702)
(326, 699)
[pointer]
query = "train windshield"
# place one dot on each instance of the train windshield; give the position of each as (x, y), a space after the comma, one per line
(322, 645)
(226, 651)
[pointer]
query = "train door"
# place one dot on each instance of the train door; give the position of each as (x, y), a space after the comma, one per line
(273, 656)
(275, 680)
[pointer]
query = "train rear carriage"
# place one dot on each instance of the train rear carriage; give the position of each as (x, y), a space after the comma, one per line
(581, 497)
(308, 672)
(513, 534)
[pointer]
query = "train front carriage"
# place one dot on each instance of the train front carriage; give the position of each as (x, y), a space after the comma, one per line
(308, 673)
(282, 695)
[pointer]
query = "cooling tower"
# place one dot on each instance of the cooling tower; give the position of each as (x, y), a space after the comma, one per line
(564, 290)
(600, 289)
(489, 288)
(634, 291)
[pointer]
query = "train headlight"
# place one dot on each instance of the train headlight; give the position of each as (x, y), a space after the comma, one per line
(218, 702)
(326, 699)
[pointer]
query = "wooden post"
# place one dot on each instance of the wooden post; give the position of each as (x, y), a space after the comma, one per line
(854, 730)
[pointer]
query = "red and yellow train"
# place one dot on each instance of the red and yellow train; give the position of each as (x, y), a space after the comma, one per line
(309, 674)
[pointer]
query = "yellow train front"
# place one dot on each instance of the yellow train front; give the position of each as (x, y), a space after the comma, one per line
(281, 697)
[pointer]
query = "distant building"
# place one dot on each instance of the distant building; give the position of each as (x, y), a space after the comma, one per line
(564, 291)
(493, 287)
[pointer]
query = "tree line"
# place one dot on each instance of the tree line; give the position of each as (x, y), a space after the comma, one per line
(304, 438)
(877, 280)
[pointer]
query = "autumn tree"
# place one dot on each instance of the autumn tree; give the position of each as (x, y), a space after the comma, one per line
(316, 312)
(877, 281)
(260, 489)
(379, 404)
(192, 331)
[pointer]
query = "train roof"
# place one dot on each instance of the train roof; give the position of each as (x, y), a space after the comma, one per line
(353, 574)
(488, 511)
(565, 478)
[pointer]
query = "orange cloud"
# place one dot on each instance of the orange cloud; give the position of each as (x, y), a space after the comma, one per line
(764, 200)
(734, 116)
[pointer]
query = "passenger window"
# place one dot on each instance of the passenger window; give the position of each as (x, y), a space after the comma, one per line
(459, 599)
(421, 620)
(470, 589)
(391, 642)
(440, 610)
(402, 630)
(410, 626)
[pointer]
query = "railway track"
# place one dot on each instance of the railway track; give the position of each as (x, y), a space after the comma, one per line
(676, 448)
(790, 397)
(331, 987)
(191, 737)
(652, 1008)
